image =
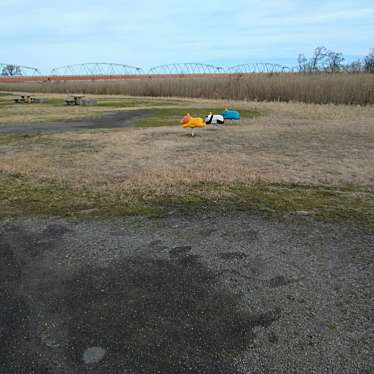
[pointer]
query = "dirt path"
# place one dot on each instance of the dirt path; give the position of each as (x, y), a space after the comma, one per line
(112, 120)
(204, 293)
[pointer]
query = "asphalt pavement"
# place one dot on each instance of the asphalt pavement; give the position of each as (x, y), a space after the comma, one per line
(200, 292)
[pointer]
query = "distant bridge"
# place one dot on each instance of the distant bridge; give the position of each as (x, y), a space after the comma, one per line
(97, 69)
(186, 68)
(110, 71)
(257, 68)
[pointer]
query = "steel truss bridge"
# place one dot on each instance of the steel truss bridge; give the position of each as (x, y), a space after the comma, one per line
(97, 68)
(111, 71)
(257, 68)
(186, 68)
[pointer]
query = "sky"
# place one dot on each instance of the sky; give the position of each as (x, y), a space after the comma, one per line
(47, 34)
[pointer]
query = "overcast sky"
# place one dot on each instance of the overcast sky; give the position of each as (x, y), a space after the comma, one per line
(46, 34)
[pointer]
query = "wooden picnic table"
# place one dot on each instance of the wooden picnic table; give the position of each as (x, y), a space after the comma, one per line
(74, 100)
(24, 99)
(29, 99)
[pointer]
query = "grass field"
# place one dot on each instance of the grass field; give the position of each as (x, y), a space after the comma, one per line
(281, 159)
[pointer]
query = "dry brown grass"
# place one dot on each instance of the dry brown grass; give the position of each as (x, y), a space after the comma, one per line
(342, 88)
(291, 143)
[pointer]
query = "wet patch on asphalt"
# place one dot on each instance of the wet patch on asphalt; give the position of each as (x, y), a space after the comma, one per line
(112, 120)
(280, 281)
(34, 244)
(10, 270)
(16, 355)
(157, 316)
(229, 256)
(180, 251)
(247, 235)
(16, 320)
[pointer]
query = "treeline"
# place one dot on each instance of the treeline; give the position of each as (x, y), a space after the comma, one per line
(10, 70)
(325, 60)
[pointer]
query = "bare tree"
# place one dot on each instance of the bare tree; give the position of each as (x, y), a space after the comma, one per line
(321, 60)
(335, 61)
(318, 60)
(303, 63)
(354, 67)
(369, 62)
(11, 70)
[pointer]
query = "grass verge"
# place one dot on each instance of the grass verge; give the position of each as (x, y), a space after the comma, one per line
(10, 138)
(20, 196)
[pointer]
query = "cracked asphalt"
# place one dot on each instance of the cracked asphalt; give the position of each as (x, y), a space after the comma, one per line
(205, 292)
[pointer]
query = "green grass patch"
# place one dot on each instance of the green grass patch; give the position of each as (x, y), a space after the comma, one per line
(328, 204)
(20, 196)
(6, 101)
(321, 202)
(173, 116)
(11, 138)
(55, 101)
(132, 103)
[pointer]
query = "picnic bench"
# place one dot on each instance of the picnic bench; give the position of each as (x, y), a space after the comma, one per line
(28, 99)
(23, 99)
(74, 100)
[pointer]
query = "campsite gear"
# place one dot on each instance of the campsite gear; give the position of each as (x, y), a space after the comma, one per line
(214, 119)
(192, 123)
(231, 114)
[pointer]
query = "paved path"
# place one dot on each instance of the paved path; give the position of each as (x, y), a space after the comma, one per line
(203, 293)
(111, 120)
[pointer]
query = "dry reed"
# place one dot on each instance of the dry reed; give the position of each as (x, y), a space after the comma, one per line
(357, 89)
